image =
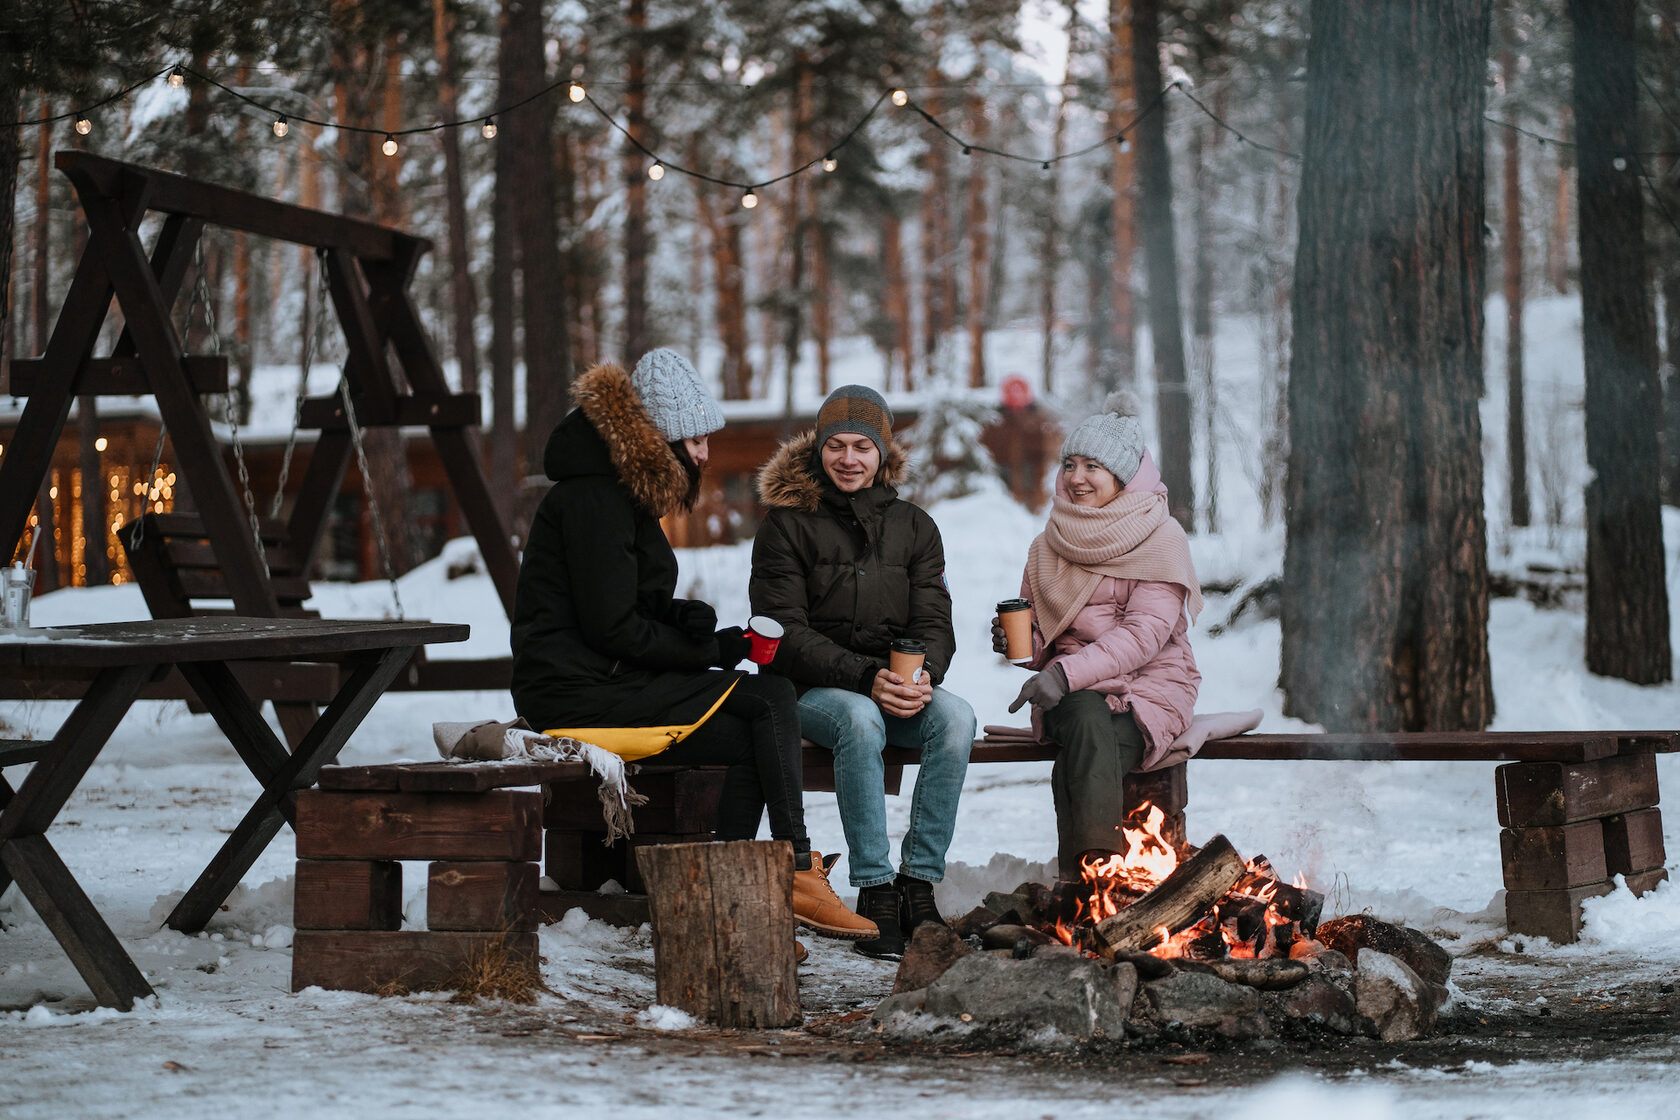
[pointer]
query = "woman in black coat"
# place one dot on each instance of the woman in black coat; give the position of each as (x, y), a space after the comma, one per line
(601, 642)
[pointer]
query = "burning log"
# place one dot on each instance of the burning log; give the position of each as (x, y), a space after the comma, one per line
(1181, 899)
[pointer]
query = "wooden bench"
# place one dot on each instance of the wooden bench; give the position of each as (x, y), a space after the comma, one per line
(1575, 808)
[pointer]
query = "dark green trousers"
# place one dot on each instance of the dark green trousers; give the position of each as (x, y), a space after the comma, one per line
(1098, 750)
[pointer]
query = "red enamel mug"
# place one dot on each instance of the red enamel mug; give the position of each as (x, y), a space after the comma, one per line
(765, 634)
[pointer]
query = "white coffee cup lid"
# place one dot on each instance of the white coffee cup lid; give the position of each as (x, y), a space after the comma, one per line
(764, 627)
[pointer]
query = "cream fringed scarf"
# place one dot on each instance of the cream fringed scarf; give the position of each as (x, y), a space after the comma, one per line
(1131, 537)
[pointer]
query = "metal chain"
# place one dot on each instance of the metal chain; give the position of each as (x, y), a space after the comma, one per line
(311, 328)
(230, 415)
(367, 492)
(138, 533)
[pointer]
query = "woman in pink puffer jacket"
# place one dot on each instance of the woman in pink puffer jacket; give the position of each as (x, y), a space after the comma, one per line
(1111, 585)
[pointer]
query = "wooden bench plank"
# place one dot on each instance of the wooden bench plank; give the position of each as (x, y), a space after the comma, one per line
(449, 777)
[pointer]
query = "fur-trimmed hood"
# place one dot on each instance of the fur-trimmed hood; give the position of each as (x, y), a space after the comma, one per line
(627, 445)
(792, 479)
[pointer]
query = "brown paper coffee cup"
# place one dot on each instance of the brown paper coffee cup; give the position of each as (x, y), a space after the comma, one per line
(1015, 615)
(906, 658)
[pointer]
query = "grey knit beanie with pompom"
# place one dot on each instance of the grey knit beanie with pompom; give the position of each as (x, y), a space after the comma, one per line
(675, 397)
(1113, 437)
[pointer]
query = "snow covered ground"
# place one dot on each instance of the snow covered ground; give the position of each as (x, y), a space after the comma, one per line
(1411, 842)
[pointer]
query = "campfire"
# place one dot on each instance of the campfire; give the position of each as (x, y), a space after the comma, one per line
(1203, 904)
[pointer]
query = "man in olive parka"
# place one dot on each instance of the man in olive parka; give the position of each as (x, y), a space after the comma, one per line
(847, 567)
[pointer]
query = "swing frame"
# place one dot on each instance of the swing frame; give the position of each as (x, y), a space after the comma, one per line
(391, 376)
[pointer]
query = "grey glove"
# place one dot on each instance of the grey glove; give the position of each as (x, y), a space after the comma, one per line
(1000, 641)
(1043, 690)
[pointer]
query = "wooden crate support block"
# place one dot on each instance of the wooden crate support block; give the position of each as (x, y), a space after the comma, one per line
(1641, 881)
(1633, 842)
(679, 801)
(1555, 915)
(498, 824)
(581, 861)
(1168, 788)
(402, 960)
(1547, 794)
(626, 910)
(482, 896)
(721, 918)
(819, 774)
(1553, 859)
(347, 894)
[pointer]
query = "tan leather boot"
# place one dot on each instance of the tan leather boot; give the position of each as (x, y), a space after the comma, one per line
(819, 909)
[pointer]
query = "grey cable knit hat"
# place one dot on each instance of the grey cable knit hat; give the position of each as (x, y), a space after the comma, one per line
(678, 402)
(857, 409)
(1113, 437)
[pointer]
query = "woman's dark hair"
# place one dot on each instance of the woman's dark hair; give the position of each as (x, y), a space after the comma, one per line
(690, 468)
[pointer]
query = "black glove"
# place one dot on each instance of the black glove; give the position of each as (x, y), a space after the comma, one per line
(696, 620)
(1043, 690)
(733, 646)
(1000, 641)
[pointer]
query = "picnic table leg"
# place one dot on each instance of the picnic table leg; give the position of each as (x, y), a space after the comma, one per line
(365, 684)
(64, 907)
(239, 717)
(27, 857)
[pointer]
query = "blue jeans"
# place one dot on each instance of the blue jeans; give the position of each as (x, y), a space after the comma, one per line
(853, 727)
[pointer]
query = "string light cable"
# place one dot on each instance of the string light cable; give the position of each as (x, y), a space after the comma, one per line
(578, 92)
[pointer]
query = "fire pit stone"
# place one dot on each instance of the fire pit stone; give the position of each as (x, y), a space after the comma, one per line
(1317, 1000)
(1399, 1003)
(1201, 999)
(1077, 998)
(1355, 932)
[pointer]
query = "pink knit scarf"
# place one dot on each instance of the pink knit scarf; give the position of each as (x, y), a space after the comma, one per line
(1132, 537)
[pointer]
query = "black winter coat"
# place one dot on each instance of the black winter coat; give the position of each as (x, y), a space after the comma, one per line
(845, 574)
(595, 636)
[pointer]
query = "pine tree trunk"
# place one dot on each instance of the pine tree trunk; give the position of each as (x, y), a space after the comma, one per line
(1166, 328)
(978, 249)
(1516, 427)
(1050, 248)
(723, 232)
(1627, 599)
(1201, 319)
(1385, 594)
(635, 184)
(536, 204)
(504, 436)
(463, 294)
(1668, 265)
(47, 576)
(822, 291)
(898, 298)
(797, 220)
(1119, 363)
(935, 313)
(1557, 245)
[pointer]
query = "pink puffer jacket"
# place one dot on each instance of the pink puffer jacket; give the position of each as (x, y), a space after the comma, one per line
(1130, 642)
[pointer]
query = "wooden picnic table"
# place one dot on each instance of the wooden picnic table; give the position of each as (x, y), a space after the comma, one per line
(118, 659)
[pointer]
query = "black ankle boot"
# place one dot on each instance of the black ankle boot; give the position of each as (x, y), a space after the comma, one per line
(881, 905)
(917, 907)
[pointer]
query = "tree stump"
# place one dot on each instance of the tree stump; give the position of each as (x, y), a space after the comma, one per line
(723, 930)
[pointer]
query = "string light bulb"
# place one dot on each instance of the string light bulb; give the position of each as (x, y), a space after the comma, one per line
(177, 79)
(656, 172)
(83, 125)
(489, 128)
(1619, 163)
(576, 92)
(749, 200)
(900, 98)
(281, 127)
(829, 163)
(390, 145)
(1125, 144)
